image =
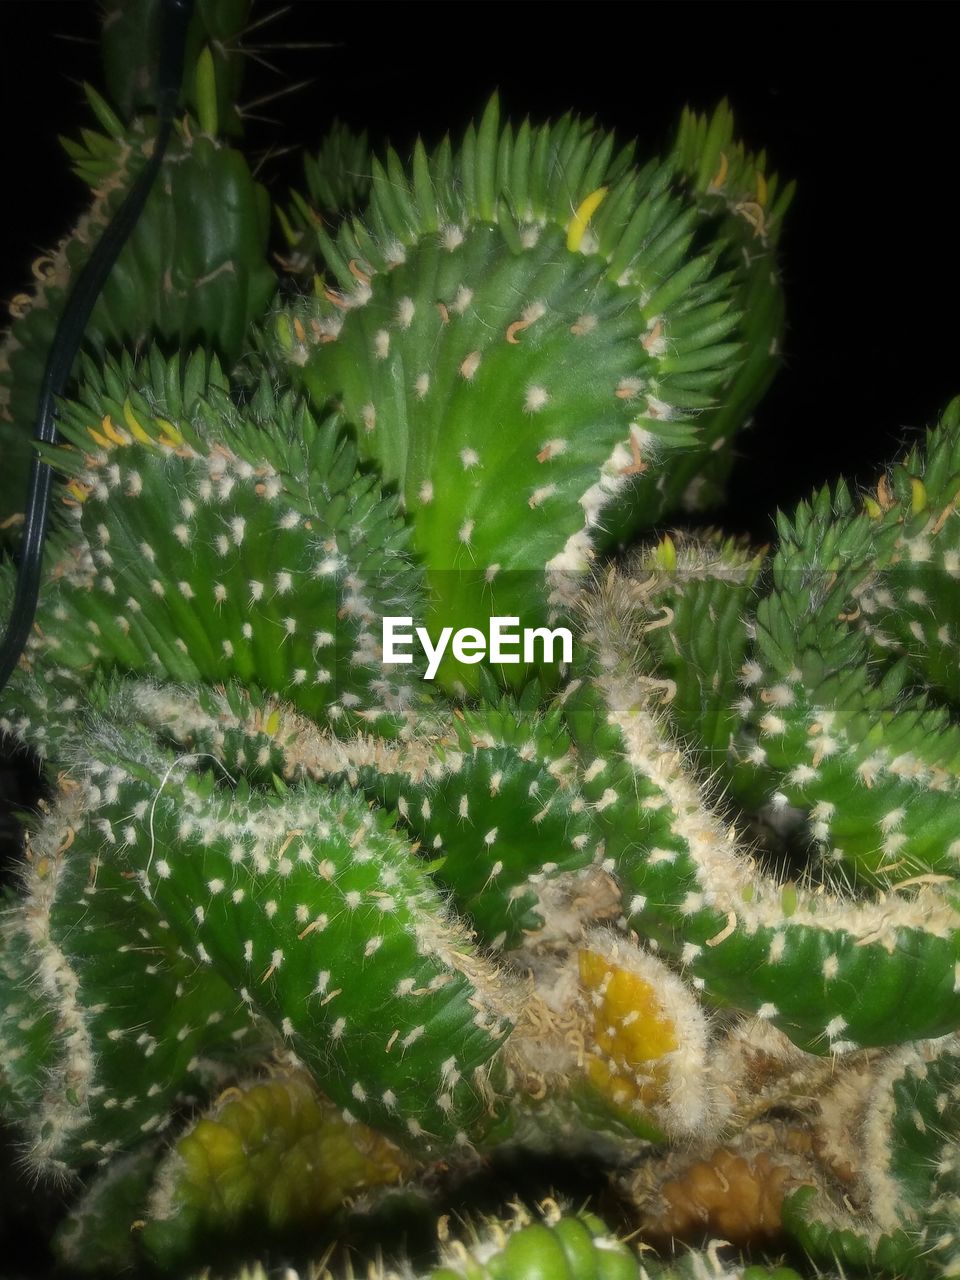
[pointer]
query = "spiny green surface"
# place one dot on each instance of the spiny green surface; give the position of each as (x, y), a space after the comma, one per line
(310, 910)
(253, 734)
(27, 1021)
(747, 936)
(519, 351)
(823, 720)
(97, 1236)
(488, 797)
(911, 611)
(137, 1026)
(500, 811)
(200, 546)
(743, 207)
(338, 178)
(128, 44)
(520, 330)
(562, 1245)
(695, 595)
(841, 749)
(865, 750)
(885, 970)
(908, 1203)
(168, 283)
(559, 1248)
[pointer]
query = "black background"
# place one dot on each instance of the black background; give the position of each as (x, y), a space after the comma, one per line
(858, 102)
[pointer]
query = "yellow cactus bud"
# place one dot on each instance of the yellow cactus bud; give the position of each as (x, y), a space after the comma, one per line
(136, 427)
(578, 223)
(665, 556)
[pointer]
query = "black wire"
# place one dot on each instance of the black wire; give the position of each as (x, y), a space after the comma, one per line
(175, 15)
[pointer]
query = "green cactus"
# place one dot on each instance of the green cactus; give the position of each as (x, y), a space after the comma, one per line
(558, 1246)
(338, 184)
(166, 284)
(128, 43)
(522, 426)
(305, 942)
(268, 1155)
(904, 1222)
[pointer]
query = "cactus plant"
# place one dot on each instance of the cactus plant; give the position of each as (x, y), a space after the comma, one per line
(307, 948)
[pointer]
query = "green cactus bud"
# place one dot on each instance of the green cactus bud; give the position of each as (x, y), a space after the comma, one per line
(560, 1247)
(272, 1153)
